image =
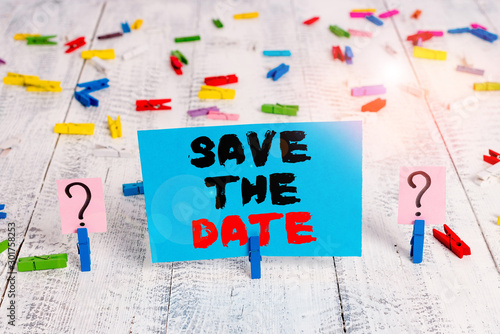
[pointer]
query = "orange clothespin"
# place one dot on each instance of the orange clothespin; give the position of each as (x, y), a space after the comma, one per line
(75, 44)
(416, 14)
(492, 158)
(452, 241)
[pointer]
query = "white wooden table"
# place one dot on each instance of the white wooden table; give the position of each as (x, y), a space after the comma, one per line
(449, 124)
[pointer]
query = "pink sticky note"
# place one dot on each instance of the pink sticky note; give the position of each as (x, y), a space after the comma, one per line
(73, 195)
(422, 202)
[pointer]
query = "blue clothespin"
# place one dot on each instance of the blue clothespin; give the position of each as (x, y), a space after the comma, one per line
(483, 34)
(417, 241)
(3, 215)
(254, 256)
(130, 189)
(84, 97)
(278, 72)
(374, 20)
(83, 246)
(277, 53)
(125, 27)
(348, 55)
(458, 30)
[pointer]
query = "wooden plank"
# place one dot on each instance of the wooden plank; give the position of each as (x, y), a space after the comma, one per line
(28, 118)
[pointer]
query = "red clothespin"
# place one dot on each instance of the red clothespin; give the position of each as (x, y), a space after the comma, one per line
(75, 44)
(452, 241)
(311, 21)
(176, 65)
(423, 35)
(492, 158)
(337, 53)
(142, 105)
(222, 80)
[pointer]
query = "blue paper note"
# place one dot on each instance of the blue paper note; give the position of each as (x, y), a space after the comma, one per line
(310, 182)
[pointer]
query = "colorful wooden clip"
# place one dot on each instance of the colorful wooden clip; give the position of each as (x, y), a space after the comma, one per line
(84, 96)
(177, 54)
(246, 16)
(374, 105)
(420, 52)
(32, 83)
(83, 246)
(368, 90)
(277, 53)
(424, 36)
(2, 62)
(22, 37)
(311, 20)
(103, 54)
(3, 215)
(280, 109)
(348, 55)
(74, 128)
(493, 157)
(187, 39)
(373, 19)
(213, 114)
(339, 31)
(278, 72)
(176, 65)
(125, 27)
(217, 23)
(416, 14)
(43, 262)
(487, 175)
(254, 256)
(134, 52)
(389, 14)
(202, 111)
(451, 241)
(359, 33)
(470, 70)
(40, 40)
(115, 127)
(130, 189)
(337, 53)
(211, 92)
(112, 35)
(221, 80)
(485, 86)
(459, 30)
(143, 105)
(137, 24)
(45, 86)
(4, 245)
(484, 35)
(360, 14)
(417, 241)
(435, 33)
(75, 44)
(477, 26)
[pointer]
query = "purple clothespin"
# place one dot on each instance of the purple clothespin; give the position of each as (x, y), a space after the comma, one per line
(202, 111)
(470, 70)
(368, 90)
(2, 61)
(389, 14)
(115, 34)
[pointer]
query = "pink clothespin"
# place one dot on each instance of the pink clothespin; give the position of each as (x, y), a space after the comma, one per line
(389, 14)
(359, 33)
(220, 115)
(359, 14)
(436, 33)
(477, 26)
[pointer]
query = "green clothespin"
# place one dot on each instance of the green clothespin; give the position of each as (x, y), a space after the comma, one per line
(179, 56)
(40, 40)
(187, 39)
(42, 262)
(218, 23)
(4, 245)
(339, 32)
(281, 109)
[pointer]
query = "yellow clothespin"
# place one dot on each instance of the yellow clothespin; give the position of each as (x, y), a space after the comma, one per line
(211, 92)
(420, 52)
(364, 10)
(115, 127)
(22, 37)
(74, 128)
(45, 86)
(136, 25)
(487, 86)
(498, 222)
(103, 54)
(20, 79)
(246, 16)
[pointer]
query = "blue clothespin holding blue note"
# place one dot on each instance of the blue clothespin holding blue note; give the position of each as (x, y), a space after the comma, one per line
(3, 215)
(417, 241)
(374, 20)
(84, 96)
(278, 72)
(277, 53)
(130, 189)
(83, 246)
(254, 256)
(125, 27)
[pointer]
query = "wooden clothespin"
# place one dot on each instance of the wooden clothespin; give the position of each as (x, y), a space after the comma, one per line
(176, 65)
(254, 256)
(142, 105)
(75, 44)
(278, 72)
(83, 246)
(136, 25)
(40, 40)
(4, 245)
(417, 241)
(221, 80)
(22, 37)
(45, 86)
(130, 189)
(213, 114)
(103, 54)
(280, 109)
(42, 262)
(451, 241)
(115, 127)
(74, 128)
(211, 92)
